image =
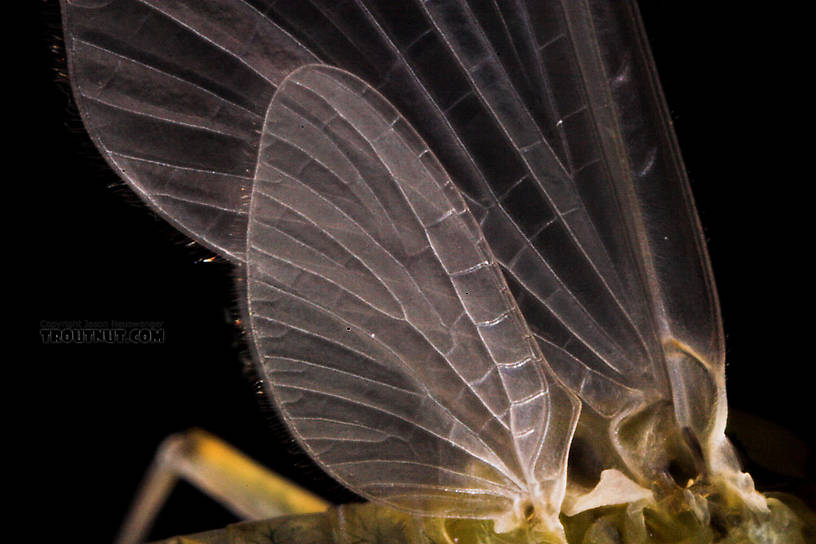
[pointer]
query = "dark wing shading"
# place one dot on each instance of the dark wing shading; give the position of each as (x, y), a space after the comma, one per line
(392, 344)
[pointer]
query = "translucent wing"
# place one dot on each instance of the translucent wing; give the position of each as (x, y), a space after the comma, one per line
(389, 337)
(546, 114)
(173, 94)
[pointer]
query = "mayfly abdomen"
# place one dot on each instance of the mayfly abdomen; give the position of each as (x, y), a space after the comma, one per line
(668, 521)
(359, 524)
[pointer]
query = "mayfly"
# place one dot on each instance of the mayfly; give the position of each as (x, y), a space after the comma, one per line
(474, 279)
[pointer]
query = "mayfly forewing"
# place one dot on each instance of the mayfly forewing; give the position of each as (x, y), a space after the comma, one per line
(546, 114)
(390, 341)
(650, 201)
(173, 95)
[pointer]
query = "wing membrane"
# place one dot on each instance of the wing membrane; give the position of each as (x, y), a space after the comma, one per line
(548, 117)
(672, 248)
(547, 243)
(174, 94)
(376, 301)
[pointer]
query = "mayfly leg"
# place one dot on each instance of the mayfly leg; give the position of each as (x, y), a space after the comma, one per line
(240, 484)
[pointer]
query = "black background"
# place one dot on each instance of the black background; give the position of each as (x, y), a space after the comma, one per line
(91, 251)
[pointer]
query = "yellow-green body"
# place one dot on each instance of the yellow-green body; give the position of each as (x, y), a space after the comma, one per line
(672, 520)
